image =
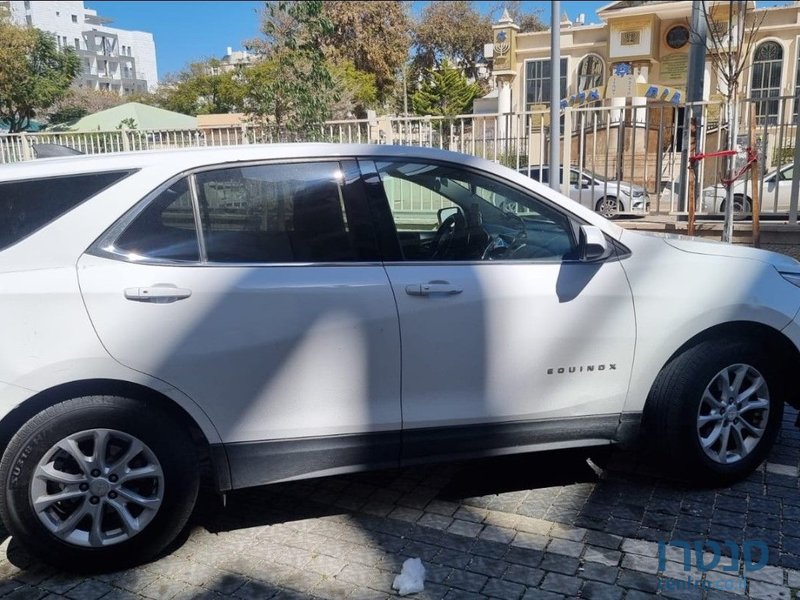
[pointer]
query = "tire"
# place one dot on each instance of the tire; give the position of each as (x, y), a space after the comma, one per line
(680, 418)
(608, 207)
(741, 206)
(162, 471)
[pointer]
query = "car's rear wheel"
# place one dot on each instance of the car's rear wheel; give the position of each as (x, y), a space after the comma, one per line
(608, 207)
(714, 410)
(98, 483)
(741, 206)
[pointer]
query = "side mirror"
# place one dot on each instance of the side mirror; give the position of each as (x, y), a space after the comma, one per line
(443, 213)
(592, 244)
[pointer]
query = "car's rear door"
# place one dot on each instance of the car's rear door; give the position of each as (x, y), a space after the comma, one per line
(279, 320)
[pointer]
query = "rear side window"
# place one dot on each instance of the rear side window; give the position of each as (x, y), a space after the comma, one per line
(276, 214)
(26, 206)
(165, 230)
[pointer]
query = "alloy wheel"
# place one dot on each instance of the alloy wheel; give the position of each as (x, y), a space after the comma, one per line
(97, 488)
(733, 413)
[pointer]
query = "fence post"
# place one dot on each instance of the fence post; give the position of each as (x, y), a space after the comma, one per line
(126, 143)
(27, 151)
(245, 139)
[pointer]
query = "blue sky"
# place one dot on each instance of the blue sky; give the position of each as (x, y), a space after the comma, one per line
(189, 31)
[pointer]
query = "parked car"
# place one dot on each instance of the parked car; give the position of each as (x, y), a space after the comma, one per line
(779, 181)
(259, 314)
(607, 197)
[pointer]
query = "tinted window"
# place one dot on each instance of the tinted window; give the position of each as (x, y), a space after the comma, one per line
(26, 206)
(276, 213)
(474, 217)
(165, 229)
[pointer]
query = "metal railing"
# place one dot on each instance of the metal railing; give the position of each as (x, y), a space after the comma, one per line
(624, 153)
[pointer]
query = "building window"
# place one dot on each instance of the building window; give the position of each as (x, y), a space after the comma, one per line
(629, 38)
(74, 18)
(766, 81)
(590, 72)
(77, 43)
(537, 81)
(28, 21)
(27, 5)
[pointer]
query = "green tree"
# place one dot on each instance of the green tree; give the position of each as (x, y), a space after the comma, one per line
(292, 86)
(374, 37)
(357, 90)
(34, 74)
(445, 92)
(203, 88)
(453, 31)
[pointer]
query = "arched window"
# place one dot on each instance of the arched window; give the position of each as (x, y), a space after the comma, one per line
(590, 72)
(766, 81)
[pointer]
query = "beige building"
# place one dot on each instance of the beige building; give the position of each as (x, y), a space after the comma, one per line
(652, 37)
(652, 40)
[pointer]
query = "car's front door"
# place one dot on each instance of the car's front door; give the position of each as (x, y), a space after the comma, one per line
(507, 339)
(782, 180)
(279, 320)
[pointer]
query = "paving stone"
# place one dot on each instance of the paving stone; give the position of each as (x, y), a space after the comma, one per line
(645, 564)
(527, 576)
(563, 584)
(465, 580)
(767, 591)
(500, 588)
(638, 580)
(604, 556)
(595, 590)
(767, 574)
(435, 520)
(487, 566)
(603, 540)
(598, 572)
(465, 528)
(565, 547)
(539, 594)
(89, 590)
(560, 564)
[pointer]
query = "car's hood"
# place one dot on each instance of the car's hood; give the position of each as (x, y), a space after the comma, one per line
(714, 248)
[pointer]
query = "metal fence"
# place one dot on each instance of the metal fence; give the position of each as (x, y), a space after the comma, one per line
(621, 156)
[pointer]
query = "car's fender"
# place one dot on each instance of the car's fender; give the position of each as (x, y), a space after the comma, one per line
(679, 294)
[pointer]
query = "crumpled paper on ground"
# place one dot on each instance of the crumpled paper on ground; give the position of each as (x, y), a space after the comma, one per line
(411, 579)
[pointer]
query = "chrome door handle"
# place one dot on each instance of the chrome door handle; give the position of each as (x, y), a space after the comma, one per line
(157, 294)
(441, 288)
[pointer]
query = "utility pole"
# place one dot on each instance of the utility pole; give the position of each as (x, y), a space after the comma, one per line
(555, 95)
(693, 114)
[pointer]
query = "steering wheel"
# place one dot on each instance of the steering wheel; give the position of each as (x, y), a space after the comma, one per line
(452, 227)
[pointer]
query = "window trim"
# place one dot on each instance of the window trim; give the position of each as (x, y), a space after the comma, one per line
(100, 247)
(383, 212)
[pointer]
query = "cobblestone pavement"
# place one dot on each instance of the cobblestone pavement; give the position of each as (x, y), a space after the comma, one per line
(543, 526)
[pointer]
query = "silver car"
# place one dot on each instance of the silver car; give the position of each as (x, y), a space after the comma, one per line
(777, 186)
(605, 196)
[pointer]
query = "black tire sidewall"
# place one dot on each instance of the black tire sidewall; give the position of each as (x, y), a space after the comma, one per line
(171, 446)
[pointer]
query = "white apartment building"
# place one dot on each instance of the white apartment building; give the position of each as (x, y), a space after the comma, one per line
(113, 59)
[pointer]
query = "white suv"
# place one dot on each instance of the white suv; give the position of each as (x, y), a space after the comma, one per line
(290, 311)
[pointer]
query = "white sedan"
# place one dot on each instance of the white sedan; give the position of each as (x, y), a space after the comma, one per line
(776, 193)
(290, 311)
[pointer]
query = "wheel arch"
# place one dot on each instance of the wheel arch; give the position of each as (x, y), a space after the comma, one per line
(213, 457)
(778, 346)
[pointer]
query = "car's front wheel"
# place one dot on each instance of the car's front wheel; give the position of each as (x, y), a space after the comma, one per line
(714, 410)
(608, 207)
(98, 483)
